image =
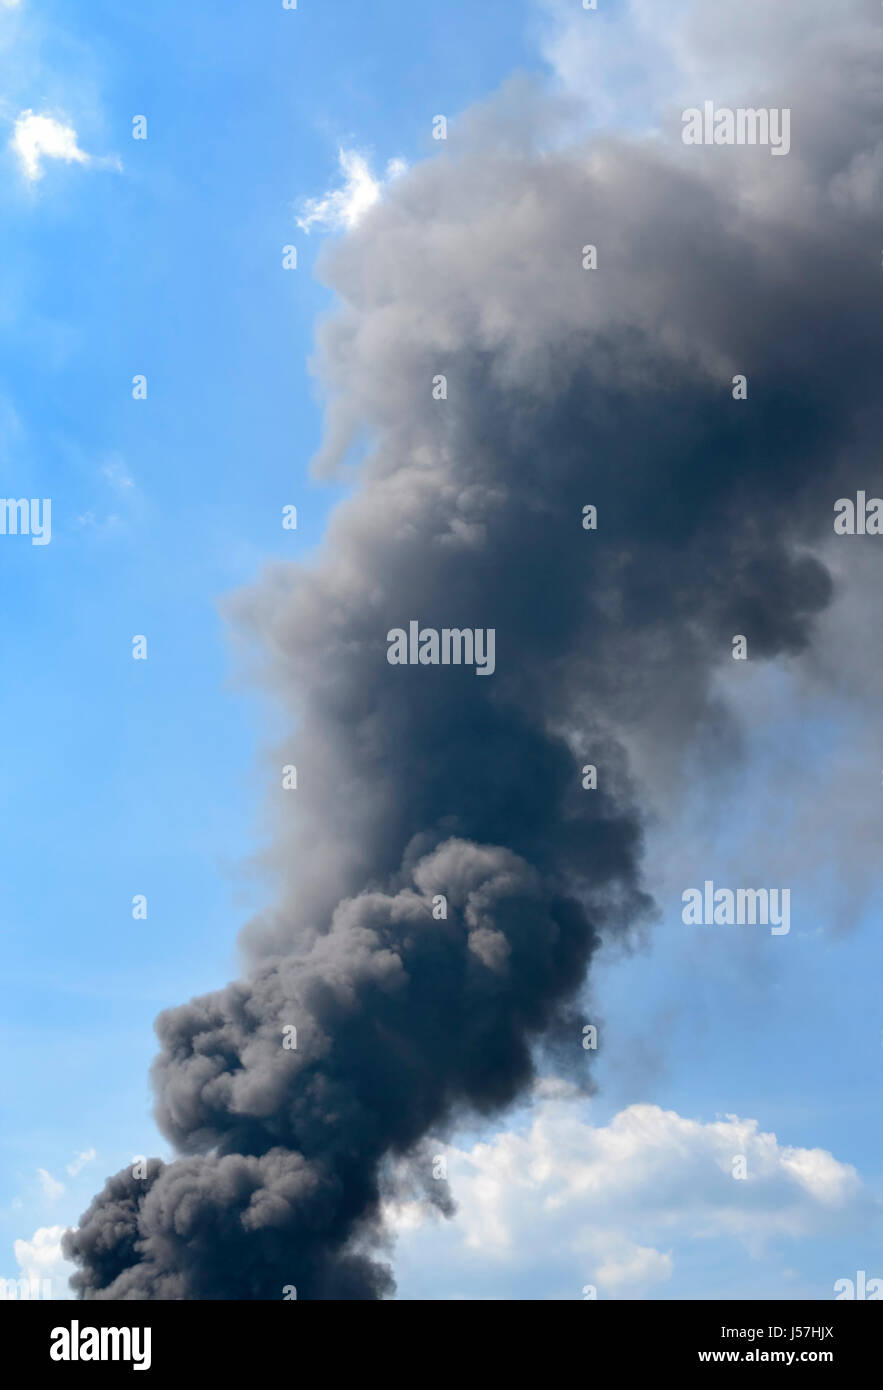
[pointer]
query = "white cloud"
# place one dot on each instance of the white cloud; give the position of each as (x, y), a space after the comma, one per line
(343, 208)
(42, 137)
(615, 1204)
(51, 1187)
(41, 1258)
(80, 1162)
(632, 1267)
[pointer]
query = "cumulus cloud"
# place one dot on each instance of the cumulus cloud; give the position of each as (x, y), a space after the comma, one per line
(611, 1202)
(36, 138)
(41, 1258)
(343, 208)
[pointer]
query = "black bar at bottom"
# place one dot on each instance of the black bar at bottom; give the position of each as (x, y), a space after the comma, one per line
(86, 1340)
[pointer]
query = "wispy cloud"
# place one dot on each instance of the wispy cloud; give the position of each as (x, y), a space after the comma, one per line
(90, 522)
(342, 208)
(117, 475)
(79, 1163)
(51, 1187)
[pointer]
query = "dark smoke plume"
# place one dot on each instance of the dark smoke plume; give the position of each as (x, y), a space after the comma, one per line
(566, 387)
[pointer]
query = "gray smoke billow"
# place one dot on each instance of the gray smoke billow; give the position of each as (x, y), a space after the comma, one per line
(565, 387)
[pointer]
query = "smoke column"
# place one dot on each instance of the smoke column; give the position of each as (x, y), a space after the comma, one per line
(566, 387)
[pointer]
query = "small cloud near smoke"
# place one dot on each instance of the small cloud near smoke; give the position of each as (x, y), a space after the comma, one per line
(343, 208)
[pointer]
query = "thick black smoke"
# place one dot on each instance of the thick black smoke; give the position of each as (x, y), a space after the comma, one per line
(565, 387)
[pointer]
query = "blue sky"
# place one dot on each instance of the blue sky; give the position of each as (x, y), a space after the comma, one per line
(120, 777)
(125, 777)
